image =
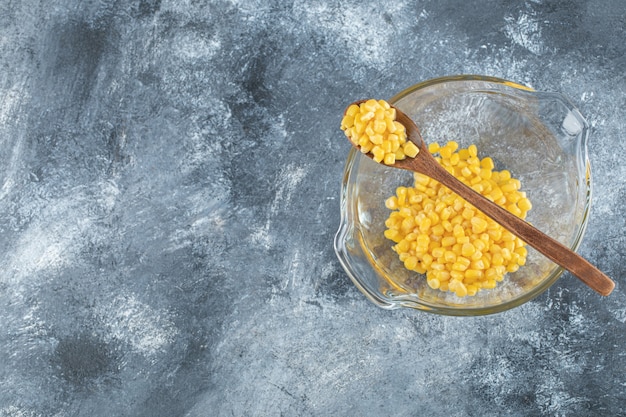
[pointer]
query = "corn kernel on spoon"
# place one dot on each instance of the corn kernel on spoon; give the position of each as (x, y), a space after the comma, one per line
(420, 160)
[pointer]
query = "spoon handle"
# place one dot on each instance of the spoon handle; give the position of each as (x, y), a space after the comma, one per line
(551, 248)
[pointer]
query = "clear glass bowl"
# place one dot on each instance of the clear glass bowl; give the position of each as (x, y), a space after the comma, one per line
(539, 137)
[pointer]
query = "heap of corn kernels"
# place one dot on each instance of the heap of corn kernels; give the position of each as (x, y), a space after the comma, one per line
(372, 126)
(439, 234)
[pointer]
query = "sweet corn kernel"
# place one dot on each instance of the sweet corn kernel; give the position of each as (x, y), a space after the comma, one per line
(378, 153)
(392, 203)
(389, 159)
(460, 290)
(479, 225)
(524, 204)
(410, 262)
(448, 241)
(487, 163)
(410, 149)
(433, 147)
(438, 252)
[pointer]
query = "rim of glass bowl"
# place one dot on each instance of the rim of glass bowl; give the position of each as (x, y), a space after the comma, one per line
(392, 302)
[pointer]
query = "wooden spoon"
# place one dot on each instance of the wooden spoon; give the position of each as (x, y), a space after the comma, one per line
(426, 164)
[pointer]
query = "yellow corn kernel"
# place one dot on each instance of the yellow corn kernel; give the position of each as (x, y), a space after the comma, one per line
(472, 289)
(463, 261)
(443, 276)
(367, 147)
(452, 145)
(378, 153)
(446, 213)
(508, 236)
(468, 249)
(524, 204)
(476, 255)
(458, 231)
(449, 256)
(403, 246)
(410, 149)
(489, 284)
(479, 225)
(473, 151)
(427, 259)
(408, 224)
(468, 213)
(410, 262)
(479, 264)
(366, 117)
(376, 139)
(434, 283)
(495, 234)
(486, 173)
(389, 159)
(391, 234)
(491, 274)
(496, 194)
(424, 225)
(352, 110)
(456, 275)
(394, 140)
(379, 126)
(391, 203)
(457, 266)
(487, 163)
(433, 147)
(445, 152)
(521, 251)
(423, 240)
(509, 244)
(479, 244)
(477, 186)
(436, 266)
(460, 290)
(399, 154)
(386, 145)
(473, 274)
(347, 122)
(448, 241)
(384, 104)
(360, 125)
(438, 252)
(508, 186)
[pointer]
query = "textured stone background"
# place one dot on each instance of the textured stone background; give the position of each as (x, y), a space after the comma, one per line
(169, 191)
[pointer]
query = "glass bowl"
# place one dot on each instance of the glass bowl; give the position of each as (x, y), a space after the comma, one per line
(540, 137)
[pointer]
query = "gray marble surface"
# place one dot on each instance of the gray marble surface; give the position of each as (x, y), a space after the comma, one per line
(169, 192)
